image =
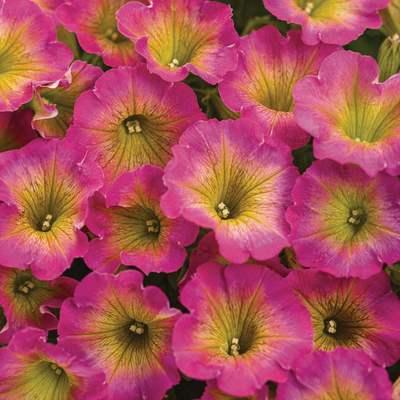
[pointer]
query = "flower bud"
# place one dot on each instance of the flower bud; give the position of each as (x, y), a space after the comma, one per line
(389, 57)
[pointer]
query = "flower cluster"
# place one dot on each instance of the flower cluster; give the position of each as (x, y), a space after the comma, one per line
(198, 201)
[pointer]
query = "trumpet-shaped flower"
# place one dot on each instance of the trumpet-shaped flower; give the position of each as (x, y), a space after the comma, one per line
(344, 222)
(261, 86)
(30, 368)
(333, 21)
(15, 129)
(133, 229)
(125, 330)
(45, 187)
(54, 105)
(29, 52)
(245, 327)
(213, 393)
(353, 118)
(351, 312)
(26, 299)
(95, 25)
(181, 36)
(227, 176)
(135, 118)
(340, 374)
(208, 250)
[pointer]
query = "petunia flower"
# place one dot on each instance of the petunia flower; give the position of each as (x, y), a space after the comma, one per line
(95, 25)
(351, 312)
(45, 187)
(261, 86)
(228, 177)
(353, 118)
(54, 105)
(334, 21)
(135, 118)
(182, 36)
(5, 332)
(344, 222)
(34, 369)
(340, 374)
(50, 7)
(125, 330)
(26, 299)
(133, 229)
(245, 327)
(15, 129)
(213, 393)
(208, 250)
(29, 52)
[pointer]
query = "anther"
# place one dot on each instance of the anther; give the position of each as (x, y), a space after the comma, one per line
(133, 126)
(138, 328)
(29, 284)
(54, 366)
(331, 326)
(309, 8)
(46, 226)
(171, 65)
(23, 288)
(46, 102)
(358, 140)
(175, 61)
(114, 36)
(109, 32)
(49, 217)
(58, 371)
(152, 226)
(223, 210)
(235, 347)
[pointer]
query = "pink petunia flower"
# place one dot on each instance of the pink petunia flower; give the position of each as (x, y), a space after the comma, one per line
(45, 187)
(135, 118)
(29, 52)
(54, 105)
(16, 130)
(344, 222)
(228, 177)
(353, 118)
(261, 86)
(351, 312)
(182, 36)
(213, 393)
(95, 25)
(30, 368)
(245, 327)
(208, 250)
(26, 299)
(125, 330)
(333, 21)
(133, 229)
(336, 375)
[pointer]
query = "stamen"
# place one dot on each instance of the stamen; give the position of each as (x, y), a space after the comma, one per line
(109, 32)
(309, 8)
(235, 347)
(175, 61)
(46, 226)
(49, 217)
(355, 216)
(58, 371)
(54, 366)
(139, 329)
(331, 326)
(171, 65)
(153, 226)
(133, 126)
(358, 140)
(223, 211)
(114, 36)
(29, 284)
(23, 288)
